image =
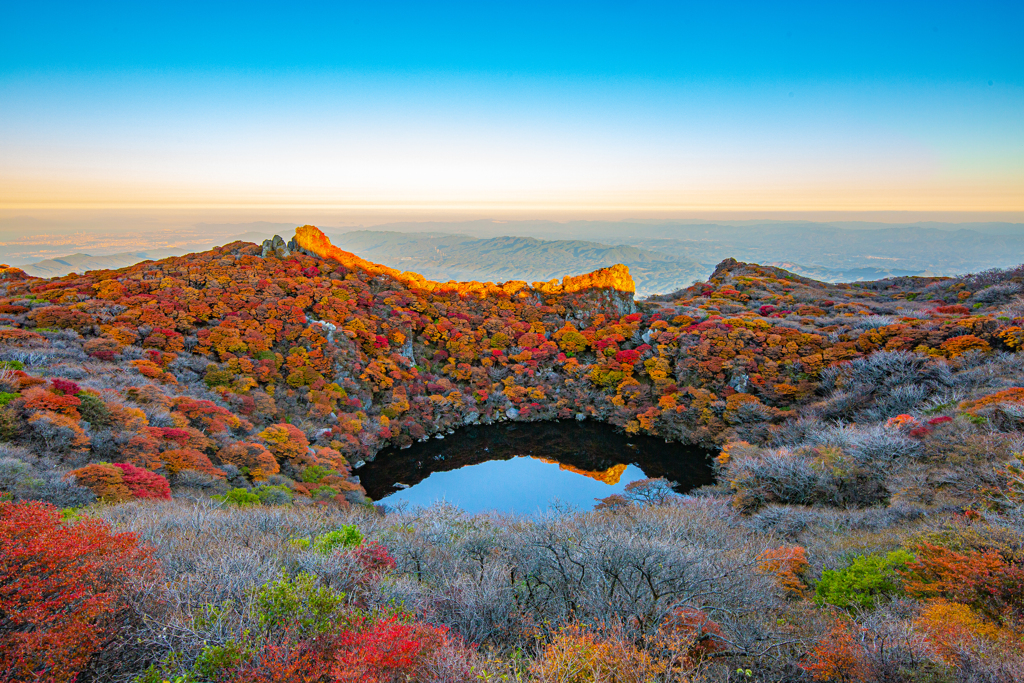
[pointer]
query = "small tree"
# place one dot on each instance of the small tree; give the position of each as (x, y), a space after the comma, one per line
(650, 491)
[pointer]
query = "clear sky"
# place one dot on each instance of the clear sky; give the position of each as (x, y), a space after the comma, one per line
(539, 107)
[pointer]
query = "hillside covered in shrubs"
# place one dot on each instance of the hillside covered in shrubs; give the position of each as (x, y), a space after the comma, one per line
(188, 431)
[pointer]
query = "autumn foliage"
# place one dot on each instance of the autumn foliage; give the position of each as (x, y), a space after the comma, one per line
(121, 481)
(981, 579)
(63, 586)
(788, 564)
(839, 656)
(260, 375)
(385, 357)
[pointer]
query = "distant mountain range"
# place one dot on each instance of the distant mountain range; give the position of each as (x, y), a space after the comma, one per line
(662, 256)
(443, 257)
(81, 263)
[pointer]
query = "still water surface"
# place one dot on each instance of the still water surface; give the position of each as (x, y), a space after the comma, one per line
(526, 467)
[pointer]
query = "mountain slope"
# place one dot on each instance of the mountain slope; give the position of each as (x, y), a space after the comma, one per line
(876, 416)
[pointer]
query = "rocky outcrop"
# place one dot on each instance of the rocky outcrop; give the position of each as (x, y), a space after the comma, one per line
(616, 277)
(276, 247)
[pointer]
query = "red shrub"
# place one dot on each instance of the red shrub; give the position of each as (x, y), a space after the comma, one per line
(627, 357)
(702, 635)
(65, 387)
(955, 308)
(178, 436)
(62, 588)
(374, 559)
(387, 651)
(143, 483)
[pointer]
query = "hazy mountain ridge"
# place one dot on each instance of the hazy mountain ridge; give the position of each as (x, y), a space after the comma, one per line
(81, 263)
(460, 257)
(662, 256)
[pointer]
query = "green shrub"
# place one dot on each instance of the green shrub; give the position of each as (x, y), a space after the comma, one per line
(274, 495)
(239, 497)
(315, 473)
(299, 543)
(215, 377)
(10, 423)
(348, 536)
(11, 365)
(93, 410)
(865, 579)
(6, 397)
(324, 492)
(290, 604)
(214, 660)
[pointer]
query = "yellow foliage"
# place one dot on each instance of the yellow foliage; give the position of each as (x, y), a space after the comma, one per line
(577, 656)
(953, 629)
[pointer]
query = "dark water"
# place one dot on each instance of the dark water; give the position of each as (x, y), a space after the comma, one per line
(524, 467)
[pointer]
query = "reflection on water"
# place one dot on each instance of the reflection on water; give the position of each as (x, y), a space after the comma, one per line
(524, 485)
(609, 476)
(523, 467)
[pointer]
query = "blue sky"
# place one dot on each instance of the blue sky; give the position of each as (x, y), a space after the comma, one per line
(537, 106)
(734, 42)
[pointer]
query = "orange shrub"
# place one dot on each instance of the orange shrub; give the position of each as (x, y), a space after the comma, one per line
(953, 629)
(59, 432)
(575, 655)
(38, 398)
(103, 479)
(285, 441)
(957, 346)
(838, 656)
(251, 457)
(179, 459)
(982, 579)
(117, 482)
(1011, 395)
(788, 564)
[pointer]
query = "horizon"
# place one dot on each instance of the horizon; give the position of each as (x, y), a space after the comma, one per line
(26, 239)
(661, 255)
